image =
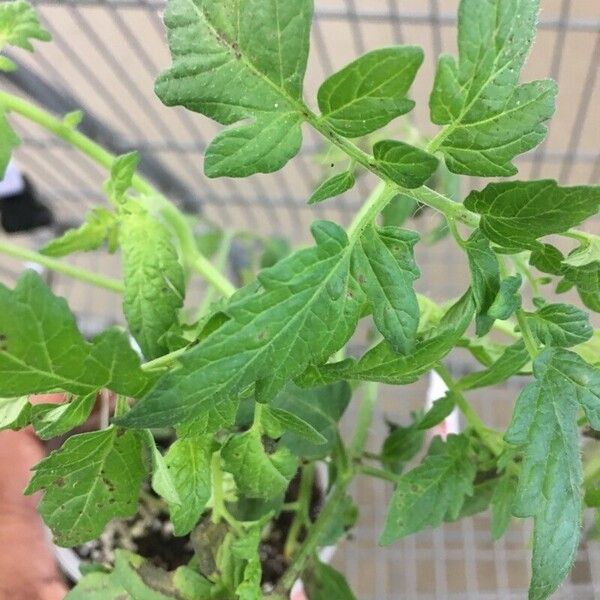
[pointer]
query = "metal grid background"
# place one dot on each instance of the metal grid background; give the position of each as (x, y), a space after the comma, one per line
(104, 58)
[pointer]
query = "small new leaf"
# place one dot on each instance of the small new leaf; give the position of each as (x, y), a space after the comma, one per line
(19, 25)
(263, 48)
(515, 214)
(258, 474)
(387, 274)
(508, 300)
(441, 408)
(550, 483)
(92, 479)
(294, 424)
(121, 175)
(154, 281)
(334, 186)
(432, 492)
(96, 228)
(371, 91)
(162, 482)
(404, 164)
(489, 118)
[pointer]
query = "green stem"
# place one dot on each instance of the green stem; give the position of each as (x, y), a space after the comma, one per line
(219, 510)
(378, 473)
(364, 419)
(60, 267)
(376, 202)
(164, 361)
(489, 436)
(99, 155)
(526, 334)
(301, 517)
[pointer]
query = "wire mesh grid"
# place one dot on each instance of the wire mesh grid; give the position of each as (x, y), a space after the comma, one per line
(104, 58)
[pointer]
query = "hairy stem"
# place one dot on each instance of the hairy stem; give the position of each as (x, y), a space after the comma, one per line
(58, 266)
(526, 334)
(375, 203)
(364, 419)
(104, 158)
(301, 518)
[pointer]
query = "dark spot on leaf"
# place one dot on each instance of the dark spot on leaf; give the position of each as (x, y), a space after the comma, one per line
(60, 482)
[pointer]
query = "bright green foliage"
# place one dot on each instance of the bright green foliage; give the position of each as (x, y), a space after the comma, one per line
(121, 175)
(214, 44)
(515, 213)
(404, 164)
(19, 25)
(432, 492)
(8, 142)
(334, 186)
(282, 319)
(545, 423)
(587, 252)
(15, 413)
(512, 360)
(561, 325)
(485, 278)
(489, 117)
(73, 119)
(162, 482)
(441, 408)
(371, 91)
(502, 504)
(508, 300)
(386, 269)
(51, 420)
(98, 226)
(258, 473)
(133, 579)
(587, 281)
(154, 281)
(322, 409)
(325, 583)
(188, 461)
(42, 350)
(92, 479)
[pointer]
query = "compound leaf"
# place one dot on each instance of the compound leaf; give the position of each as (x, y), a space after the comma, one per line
(334, 186)
(432, 492)
(258, 474)
(515, 214)
(92, 479)
(274, 331)
(371, 91)
(154, 281)
(41, 349)
(239, 61)
(550, 484)
(386, 274)
(404, 164)
(489, 117)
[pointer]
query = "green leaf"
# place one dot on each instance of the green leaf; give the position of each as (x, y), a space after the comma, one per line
(404, 164)
(121, 175)
(15, 413)
(263, 48)
(42, 350)
(508, 300)
(188, 460)
(73, 119)
(387, 278)
(489, 117)
(545, 423)
(560, 325)
(502, 503)
(92, 479)
(384, 365)
(257, 473)
(52, 420)
(96, 228)
(154, 281)
(322, 408)
(547, 259)
(325, 583)
(293, 423)
(334, 186)
(9, 140)
(162, 481)
(588, 251)
(272, 334)
(587, 281)
(19, 25)
(485, 278)
(401, 446)
(371, 91)
(398, 210)
(432, 492)
(441, 408)
(516, 213)
(512, 360)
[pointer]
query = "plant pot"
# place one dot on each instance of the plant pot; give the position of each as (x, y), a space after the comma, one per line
(70, 560)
